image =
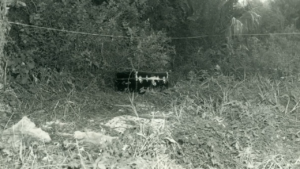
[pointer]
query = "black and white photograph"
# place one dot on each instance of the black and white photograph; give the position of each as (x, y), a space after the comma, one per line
(149, 84)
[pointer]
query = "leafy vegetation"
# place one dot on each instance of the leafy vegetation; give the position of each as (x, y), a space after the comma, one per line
(233, 100)
(118, 40)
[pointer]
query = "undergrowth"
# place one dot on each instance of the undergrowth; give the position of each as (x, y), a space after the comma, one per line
(239, 124)
(220, 122)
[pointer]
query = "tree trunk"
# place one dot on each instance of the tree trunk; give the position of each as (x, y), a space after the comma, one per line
(4, 26)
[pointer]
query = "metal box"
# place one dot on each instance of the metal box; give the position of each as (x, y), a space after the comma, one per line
(135, 81)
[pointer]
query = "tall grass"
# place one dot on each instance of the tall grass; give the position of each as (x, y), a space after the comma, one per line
(249, 123)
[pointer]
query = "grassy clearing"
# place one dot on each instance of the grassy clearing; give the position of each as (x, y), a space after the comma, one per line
(241, 124)
(218, 123)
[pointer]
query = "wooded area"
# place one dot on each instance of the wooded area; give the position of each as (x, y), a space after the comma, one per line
(232, 63)
(101, 37)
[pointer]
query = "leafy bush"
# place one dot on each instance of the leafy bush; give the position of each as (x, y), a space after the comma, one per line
(275, 56)
(115, 38)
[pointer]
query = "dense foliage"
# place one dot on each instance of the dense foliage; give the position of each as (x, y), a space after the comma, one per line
(234, 102)
(97, 38)
(104, 38)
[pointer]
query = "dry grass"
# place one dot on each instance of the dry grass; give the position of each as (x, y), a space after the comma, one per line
(218, 123)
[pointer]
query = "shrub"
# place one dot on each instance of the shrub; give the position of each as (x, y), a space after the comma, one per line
(115, 38)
